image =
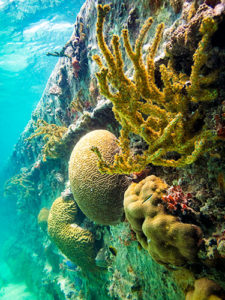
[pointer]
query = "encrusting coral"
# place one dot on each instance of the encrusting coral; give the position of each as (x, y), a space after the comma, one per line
(52, 136)
(205, 289)
(99, 196)
(75, 242)
(160, 117)
(169, 241)
(43, 218)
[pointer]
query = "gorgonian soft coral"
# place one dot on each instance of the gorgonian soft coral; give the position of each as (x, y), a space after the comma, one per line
(161, 117)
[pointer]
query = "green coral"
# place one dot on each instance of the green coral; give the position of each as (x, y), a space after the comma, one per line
(52, 137)
(75, 242)
(160, 117)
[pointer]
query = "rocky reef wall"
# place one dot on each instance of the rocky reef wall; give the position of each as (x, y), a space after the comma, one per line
(118, 263)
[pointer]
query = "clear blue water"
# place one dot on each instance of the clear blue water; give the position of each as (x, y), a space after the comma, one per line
(29, 29)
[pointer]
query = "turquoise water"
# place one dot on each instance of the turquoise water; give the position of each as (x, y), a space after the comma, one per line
(29, 29)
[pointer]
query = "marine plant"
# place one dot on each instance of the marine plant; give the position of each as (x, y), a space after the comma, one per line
(52, 137)
(161, 117)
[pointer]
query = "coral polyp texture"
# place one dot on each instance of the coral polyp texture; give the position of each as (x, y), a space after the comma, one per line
(99, 196)
(205, 289)
(169, 241)
(75, 242)
(161, 117)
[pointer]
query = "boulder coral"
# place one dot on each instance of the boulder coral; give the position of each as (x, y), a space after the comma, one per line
(205, 289)
(169, 241)
(43, 218)
(99, 196)
(76, 243)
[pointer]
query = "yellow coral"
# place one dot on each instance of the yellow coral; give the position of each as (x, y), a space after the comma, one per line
(75, 242)
(169, 241)
(160, 117)
(99, 196)
(205, 289)
(52, 136)
(43, 218)
(19, 185)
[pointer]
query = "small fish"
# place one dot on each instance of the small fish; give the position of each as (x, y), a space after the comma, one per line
(113, 250)
(148, 198)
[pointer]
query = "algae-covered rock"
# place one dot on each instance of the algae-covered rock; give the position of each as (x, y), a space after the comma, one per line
(99, 196)
(167, 239)
(75, 242)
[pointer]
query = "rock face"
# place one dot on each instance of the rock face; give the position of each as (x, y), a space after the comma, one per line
(72, 99)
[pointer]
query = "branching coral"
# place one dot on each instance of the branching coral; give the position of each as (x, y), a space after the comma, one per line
(52, 136)
(161, 117)
(20, 186)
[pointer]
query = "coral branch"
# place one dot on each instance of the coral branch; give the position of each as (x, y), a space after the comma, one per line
(160, 117)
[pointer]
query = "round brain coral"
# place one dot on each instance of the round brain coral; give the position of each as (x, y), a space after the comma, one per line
(169, 241)
(99, 196)
(75, 242)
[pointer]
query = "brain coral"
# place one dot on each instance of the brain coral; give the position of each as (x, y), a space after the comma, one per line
(75, 242)
(99, 196)
(169, 241)
(43, 218)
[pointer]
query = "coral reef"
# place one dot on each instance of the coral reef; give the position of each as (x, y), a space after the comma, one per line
(160, 117)
(205, 289)
(52, 136)
(43, 218)
(171, 215)
(99, 196)
(75, 242)
(169, 241)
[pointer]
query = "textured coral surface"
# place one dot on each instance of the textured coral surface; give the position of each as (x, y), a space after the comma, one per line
(168, 240)
(75, 242)
(99, 196)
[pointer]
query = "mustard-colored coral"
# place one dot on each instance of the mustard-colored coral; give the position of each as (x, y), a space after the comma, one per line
(169, 241)
(19, 185)
(160, 117)
(205, 289)
(75, 242)
(99, 196)
(52, 137)
(43, 218)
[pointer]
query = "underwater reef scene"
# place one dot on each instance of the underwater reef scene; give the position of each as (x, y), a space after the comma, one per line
(118, 180)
